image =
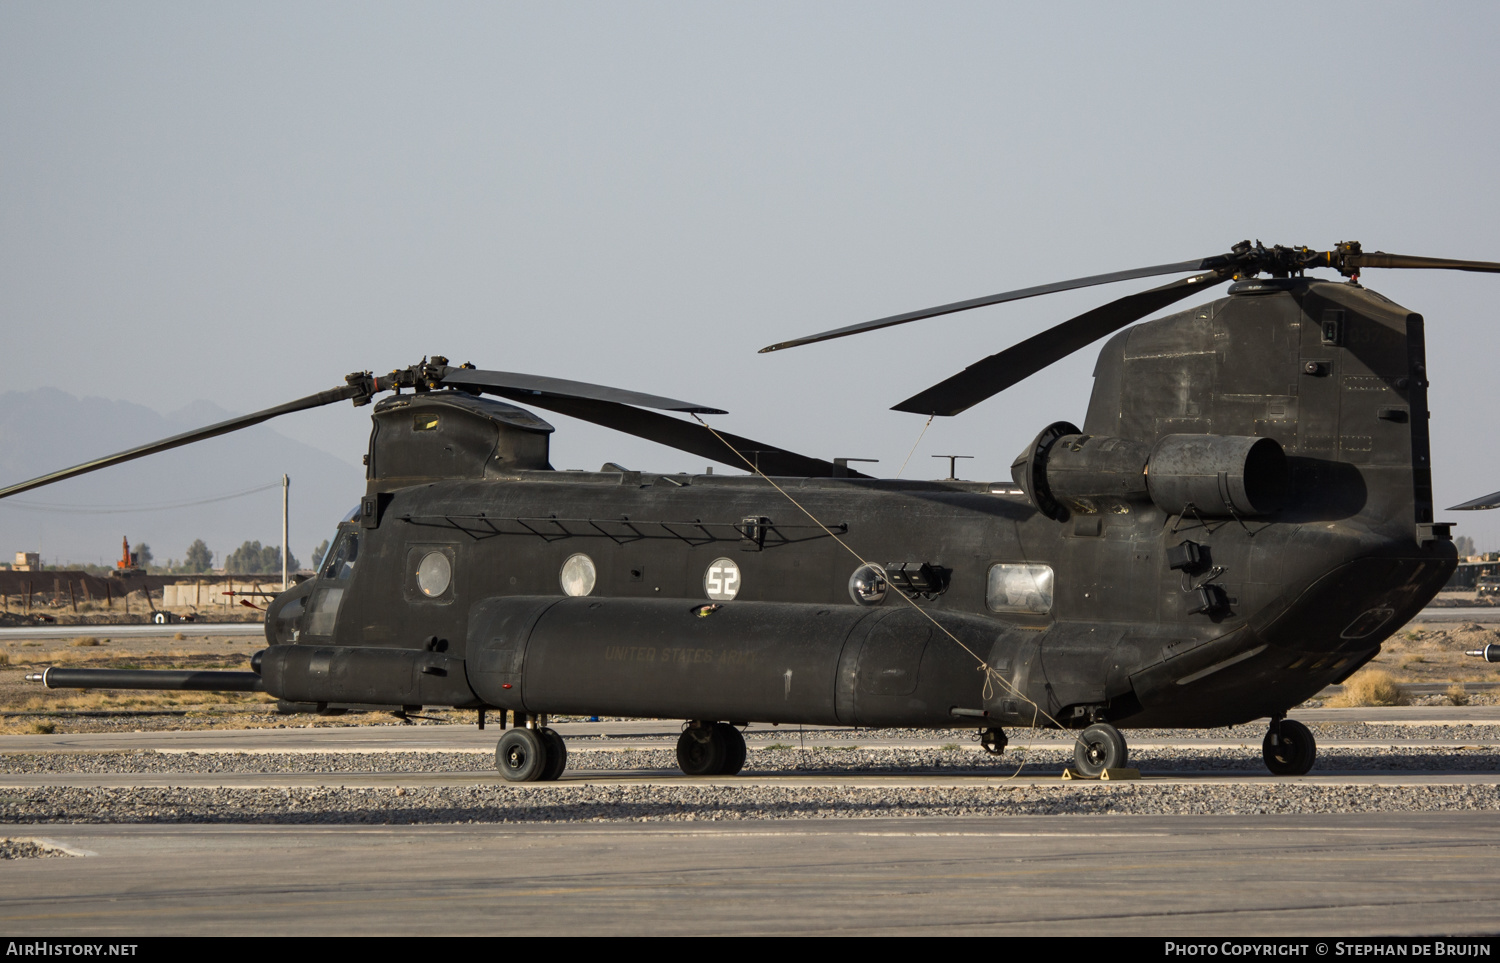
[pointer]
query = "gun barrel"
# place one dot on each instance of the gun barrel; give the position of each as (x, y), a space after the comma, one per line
(196, 680)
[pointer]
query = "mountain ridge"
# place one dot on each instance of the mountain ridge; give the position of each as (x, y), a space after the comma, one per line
(81, 520)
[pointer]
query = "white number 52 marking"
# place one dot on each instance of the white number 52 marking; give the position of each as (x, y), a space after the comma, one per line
(722, 580)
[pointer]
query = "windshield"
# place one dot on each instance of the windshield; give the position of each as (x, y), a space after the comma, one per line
(339, 563)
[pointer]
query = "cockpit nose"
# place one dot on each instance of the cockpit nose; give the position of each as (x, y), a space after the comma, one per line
(284, 614)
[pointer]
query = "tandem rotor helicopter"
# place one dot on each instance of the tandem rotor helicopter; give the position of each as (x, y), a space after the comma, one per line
(1244, 516)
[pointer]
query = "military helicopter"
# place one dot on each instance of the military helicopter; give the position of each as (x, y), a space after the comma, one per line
(1491, 652)
(1244, 516)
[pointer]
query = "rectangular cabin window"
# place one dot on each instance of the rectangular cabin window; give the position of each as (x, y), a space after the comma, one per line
(424, 421)
(1020, 587)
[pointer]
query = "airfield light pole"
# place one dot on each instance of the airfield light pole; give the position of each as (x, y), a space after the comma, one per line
(285, 484)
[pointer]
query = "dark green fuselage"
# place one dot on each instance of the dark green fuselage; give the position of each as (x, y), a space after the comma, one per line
(1303, 594)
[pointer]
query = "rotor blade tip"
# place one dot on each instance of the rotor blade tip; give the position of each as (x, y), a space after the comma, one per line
(915, 410)
(1477, 504)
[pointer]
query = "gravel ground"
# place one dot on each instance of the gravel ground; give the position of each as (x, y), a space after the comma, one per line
(1467, 748)
(1039, 760)
(27, 849)
(1249, 734)
(561, 803)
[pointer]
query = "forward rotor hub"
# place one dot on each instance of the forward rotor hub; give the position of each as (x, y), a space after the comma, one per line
(1278, 261)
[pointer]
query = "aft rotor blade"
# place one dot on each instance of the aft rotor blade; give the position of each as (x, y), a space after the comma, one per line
(994, 374)
(528, 387)
(689, 436)
(1380, 259)
(1488, 501)
(1201, 264)
(188, 437)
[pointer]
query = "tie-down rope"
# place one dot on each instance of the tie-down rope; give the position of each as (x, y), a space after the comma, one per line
(991, 675)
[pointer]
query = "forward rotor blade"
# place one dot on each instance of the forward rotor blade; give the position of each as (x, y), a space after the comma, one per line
(1202, 264)
(1380, 259)
(528, 387)
(688, 436)
(994, 374)
(187, 438)
(1488, 501)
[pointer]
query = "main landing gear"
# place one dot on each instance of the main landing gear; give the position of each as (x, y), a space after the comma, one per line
(711, 749)
(535, 753)
(1099, 747)
(1289, 748)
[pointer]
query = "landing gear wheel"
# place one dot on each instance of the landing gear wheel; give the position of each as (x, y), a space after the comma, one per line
(1289, 748)
(521, 755)
(557, 753)
(734, 748)
(701, 751)
(1099, 747)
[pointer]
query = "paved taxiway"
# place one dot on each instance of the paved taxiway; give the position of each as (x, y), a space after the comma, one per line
(1058, 876)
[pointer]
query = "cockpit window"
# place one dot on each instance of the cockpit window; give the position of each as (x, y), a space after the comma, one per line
(340, 561)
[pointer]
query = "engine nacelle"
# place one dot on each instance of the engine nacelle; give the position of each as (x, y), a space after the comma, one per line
(1217, 475)
(1065, 472)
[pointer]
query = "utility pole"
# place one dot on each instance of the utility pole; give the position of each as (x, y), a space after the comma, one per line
(285, 484)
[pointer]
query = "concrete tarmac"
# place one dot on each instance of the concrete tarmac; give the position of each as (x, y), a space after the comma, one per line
(1483, 614)
(1053, 876)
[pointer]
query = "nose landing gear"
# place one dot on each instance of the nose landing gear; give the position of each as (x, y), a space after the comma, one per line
(535, 753)
(1289, 748)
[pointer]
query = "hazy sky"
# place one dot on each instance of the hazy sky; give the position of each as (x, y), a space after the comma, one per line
(243, 202)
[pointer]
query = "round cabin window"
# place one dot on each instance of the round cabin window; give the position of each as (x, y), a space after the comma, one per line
(578, 575)
(434, 574)
(722, 580)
